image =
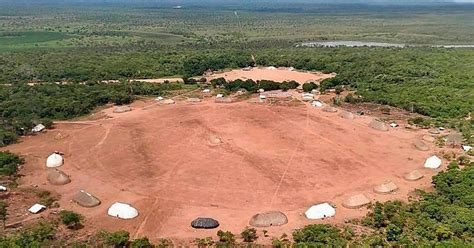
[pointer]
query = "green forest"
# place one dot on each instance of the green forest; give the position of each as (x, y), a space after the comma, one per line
(433, 82)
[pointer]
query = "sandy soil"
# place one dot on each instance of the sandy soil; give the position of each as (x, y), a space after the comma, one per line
(277, 75)
(161, 159)
(159, 80)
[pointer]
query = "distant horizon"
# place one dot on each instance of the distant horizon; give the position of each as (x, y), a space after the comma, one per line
(180, 2)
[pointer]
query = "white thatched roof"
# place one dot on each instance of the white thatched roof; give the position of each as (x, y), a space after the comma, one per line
(122, 211)
(433, 162)
(38, 128)
(54, 160)
(36, 208)
(320, 211)
(317, 104)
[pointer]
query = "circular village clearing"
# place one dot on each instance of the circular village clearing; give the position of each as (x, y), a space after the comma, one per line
(156, 166)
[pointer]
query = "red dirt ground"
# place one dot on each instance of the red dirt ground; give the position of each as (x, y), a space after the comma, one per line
(160, 160)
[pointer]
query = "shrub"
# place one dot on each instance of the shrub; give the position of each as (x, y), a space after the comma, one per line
(268, 85)
(420, 121)
(141, 243)
(286, 85)
(9, 163)
(217, 82)
(276, 243)
(70, 219)
(351, 98)
(37, 235)
(7, 137)
(226, 237)
(164, 243)
(190, 81)
(393, 232)
(48, 123)
(282, 242)
(443, 232)
(116, 239)
(121, 99)
(307, 87)
(464, 160)
(204, 242)
(3, 212)
(249, 234)
(348, 233)
(45, 198)
(319, 235)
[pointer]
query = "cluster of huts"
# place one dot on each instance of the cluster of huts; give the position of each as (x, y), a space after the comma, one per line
(55, 176)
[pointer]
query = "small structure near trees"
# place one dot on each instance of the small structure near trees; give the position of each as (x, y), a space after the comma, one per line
(378, 125)
(122, 211)
(57, 177)
(204, 223)
(385, 188)
(54, 160)
(320, 211)
(36, 208)
(122, 109)
(356, 201)
(85, 199)
(38, 128)
(413, 175)
(266, 219)
(433, 162)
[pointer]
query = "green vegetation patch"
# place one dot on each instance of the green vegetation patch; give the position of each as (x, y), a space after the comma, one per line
(20, 38)
(9, 163)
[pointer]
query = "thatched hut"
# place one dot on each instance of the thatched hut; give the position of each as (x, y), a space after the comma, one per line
(85, 199)
(385, 188)
(378, 125)
(356, 201)
(272, 218)
(57, 177)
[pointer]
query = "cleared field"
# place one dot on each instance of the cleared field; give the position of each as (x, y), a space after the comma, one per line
(165, 161)
(274, 74)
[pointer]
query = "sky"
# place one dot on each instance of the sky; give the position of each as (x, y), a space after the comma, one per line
(248, 1)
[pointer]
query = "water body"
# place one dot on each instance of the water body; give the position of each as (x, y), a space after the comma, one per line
(344, 43)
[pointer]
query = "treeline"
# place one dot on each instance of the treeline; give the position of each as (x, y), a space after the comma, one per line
(443, 217)
(23, 106)
(429, 81)
(252, 86)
